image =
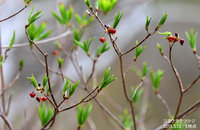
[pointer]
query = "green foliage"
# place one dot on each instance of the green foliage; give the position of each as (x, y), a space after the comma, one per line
(148, 22)
(106, 79)
(58, 45)
(144, 70)
(12, 41)
(117, 19)
(162, 20)
(27, 2)
(192, 39)
(87, 2)
(102, 49)
(85, 45)
(138, 50)
(106, 5)
(156, 79)
(2, 61)
(66, 15)
(165, 33)
(45, 79)
(136, 95)
(45, 114)
(81, 115)
(60, 62)
(84, 20)
(160, 48)
(77, 34)
(69, 89)
(34, 17)
(33, 81)
(21, 64)
(37, 33)
(126, 120)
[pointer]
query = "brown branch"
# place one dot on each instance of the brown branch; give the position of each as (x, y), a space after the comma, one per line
(13, 14)
(93, 69)
(192, 84)
(7, 122)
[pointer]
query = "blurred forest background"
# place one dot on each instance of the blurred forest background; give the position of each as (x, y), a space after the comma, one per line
(183, 15)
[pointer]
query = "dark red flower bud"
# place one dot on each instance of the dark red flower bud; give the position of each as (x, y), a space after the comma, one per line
(176, 34)
(38, 99)
(39, 84)
(32, 94)
(43, 98)
(112, 31)
(102, 39)
(182, 42)
(107, 26)
(171, 38)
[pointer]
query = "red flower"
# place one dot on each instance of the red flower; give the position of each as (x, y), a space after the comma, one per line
(102, 39)
(32, 94)
(43, 98)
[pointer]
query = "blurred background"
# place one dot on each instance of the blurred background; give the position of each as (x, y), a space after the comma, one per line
(182, 16)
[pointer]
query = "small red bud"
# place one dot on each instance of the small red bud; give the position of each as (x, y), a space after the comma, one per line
(55, 53)
(102, 39)
(171, 38)
(38, 99)
(182, 42)
(32, 94)
(112, 31)
(43, 98)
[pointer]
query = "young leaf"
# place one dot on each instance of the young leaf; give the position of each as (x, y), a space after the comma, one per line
(136, 95)
(21, 64)
(27, 2)
(106, 5)
(192, 39)
(45, 114)
(60, 62)
(12, 41)
(162, 20)
(147, 22)
(156, 79)
(106, 79)
(33, 81)
(87, 2)
(117, 19)
(102, 49)
(160, 48)
(45, 79)
(33, 18)
(77, 34)
(138, 51)
(58, 45)
(72, 89)
(145, 70)
(165, 33)
(2, 61)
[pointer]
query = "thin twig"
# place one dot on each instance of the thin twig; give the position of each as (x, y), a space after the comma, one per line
(13, 14)
(192, 84)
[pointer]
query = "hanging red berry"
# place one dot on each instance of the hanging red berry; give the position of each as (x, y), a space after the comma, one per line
(112, 31)
(43, 98)
(102, 39)
(32, 94)
(38, 99)
(55, 53)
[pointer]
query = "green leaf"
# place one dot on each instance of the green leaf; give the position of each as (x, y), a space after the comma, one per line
(33, 18)
(81, 116)
(156, 79)
(45, 114)
(192, 39)
(21, 64)
(102, 49)
(87, 113)
(60, 62)
(2, 61)
(145, 70)
(77, 34)
(45, 35)
(33, 81)
(180, 125)
(87, 2)
(160, 48)
(138, 50)
(162, 20)
(57, 17)
(72, 89)
(106, 5)
(117, 19)
(58, 45)
(137, 95)
(45, 79)
(148, 22)
(12, 41)
(63, 10)
(106, 79)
